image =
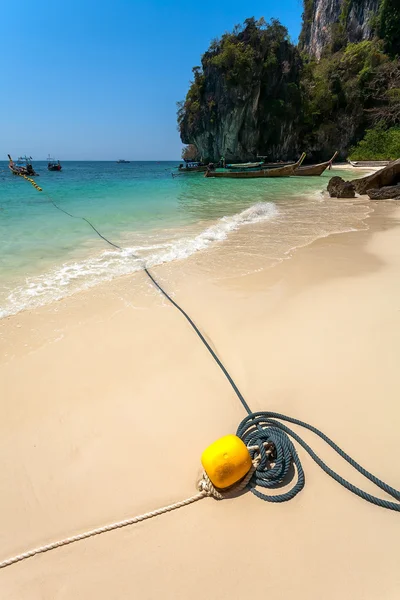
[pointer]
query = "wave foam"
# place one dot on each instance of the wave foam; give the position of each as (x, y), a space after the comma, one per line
(74, 276)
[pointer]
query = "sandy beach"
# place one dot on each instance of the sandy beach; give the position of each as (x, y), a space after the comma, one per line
(109, 399)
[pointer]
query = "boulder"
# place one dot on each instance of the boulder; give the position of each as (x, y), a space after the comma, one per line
(388, 176)
(338, 188)
(385, 193)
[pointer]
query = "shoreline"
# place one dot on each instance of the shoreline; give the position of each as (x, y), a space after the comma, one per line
(94, 263)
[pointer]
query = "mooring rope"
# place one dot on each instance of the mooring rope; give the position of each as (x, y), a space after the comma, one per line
(268, 441)
(206, 490)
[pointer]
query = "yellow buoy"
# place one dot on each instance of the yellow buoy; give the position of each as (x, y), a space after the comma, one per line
(226, 461)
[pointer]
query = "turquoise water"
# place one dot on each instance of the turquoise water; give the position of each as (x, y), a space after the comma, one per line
(45, 255)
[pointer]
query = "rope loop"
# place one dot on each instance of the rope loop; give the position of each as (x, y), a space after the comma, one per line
(262, 429)
(274, 455)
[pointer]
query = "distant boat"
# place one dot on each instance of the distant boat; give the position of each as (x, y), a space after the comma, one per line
(122, 161)
(22, 166)
(53, 165)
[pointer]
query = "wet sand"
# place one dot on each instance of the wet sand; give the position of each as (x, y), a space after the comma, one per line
(108, 399)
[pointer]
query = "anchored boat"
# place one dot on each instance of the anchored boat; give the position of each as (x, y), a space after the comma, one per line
(22, 166)
(244, 166)
(285, 171)
(53, 165)
(194, 167)
(315, 170)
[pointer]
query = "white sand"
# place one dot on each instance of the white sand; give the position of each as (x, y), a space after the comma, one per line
(108, 399)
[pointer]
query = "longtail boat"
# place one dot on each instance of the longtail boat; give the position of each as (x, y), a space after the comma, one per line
(369, 163)
(286, 171)
(23, 166)
(315, 170)
(242, 166)
(275, 165)
(194, 167)
(53, 165)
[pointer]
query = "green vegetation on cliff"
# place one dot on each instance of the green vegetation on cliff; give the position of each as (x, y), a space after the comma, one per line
(255, 94)
(388, 26)
(378, 144)
(348, 90)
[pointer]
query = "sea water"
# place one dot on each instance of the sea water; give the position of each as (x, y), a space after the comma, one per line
(154, 216)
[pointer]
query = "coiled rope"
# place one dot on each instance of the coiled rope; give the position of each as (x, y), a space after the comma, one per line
(268, 441)
(261, 429)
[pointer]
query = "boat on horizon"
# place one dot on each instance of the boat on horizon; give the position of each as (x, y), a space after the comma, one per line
(123, 161)
(285, 171)
(23, 166)
(53, 165)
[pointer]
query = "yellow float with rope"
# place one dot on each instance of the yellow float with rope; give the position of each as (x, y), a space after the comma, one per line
(226, 461)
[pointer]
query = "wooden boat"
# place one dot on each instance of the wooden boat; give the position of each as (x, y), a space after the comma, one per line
(242, 166)
(369, 163)
(315, 170)
(275, 165)
(286, 171)
(193, 167)
(53, 165)
(23, 166)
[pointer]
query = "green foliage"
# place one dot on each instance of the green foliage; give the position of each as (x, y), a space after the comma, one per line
(389, 25)
(344, 86)
(235, 59)
(378, 144)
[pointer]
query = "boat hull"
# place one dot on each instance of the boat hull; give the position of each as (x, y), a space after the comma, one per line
(244, 166)
(286, 171)
(22, 171)
(315, 170)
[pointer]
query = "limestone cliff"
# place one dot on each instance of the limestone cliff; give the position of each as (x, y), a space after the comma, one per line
(328, 22)
(256, 94)
(244, 100)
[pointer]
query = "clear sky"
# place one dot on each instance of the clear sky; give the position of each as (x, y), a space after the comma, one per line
(100, 80)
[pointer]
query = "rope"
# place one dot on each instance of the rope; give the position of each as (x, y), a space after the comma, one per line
(261, 428)
(206, 490)
(203, 339)
(105, 529)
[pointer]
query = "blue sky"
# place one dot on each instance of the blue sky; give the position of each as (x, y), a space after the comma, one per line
(100, 80)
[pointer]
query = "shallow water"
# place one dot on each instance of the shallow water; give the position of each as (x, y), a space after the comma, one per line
(156, 218)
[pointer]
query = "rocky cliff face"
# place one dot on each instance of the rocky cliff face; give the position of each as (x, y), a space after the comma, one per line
(244, 100)
(255, 94)
(328, 20)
